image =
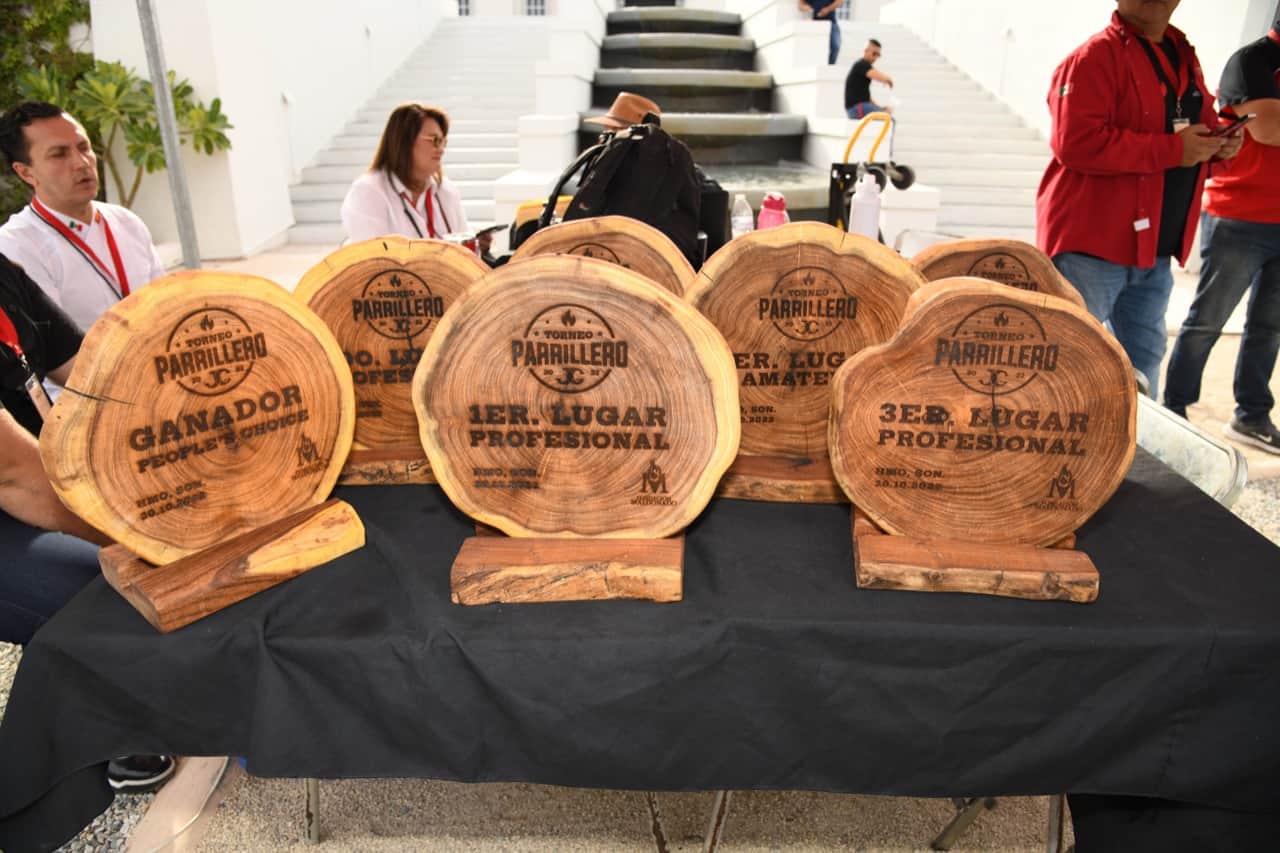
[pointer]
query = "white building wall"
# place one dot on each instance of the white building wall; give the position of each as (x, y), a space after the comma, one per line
(1011, 47)
(290, 74)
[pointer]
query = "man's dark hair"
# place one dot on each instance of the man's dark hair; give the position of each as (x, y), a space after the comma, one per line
(13, 142)
(876, 43)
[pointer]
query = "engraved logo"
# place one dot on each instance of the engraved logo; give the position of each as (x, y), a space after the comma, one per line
(210, 352)
(1063, 485)
(1004, 268)
(569, 349)
(397, 304)
(653, 488)
(653, 480)
(308, 452)
(997, 349)
(807, 304)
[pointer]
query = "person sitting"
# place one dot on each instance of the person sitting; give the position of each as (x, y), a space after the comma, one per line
(857, 84)
(405, 191)
(86, 254)
(41, 571)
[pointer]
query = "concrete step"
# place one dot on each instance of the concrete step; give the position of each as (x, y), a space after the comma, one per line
(456, 127)
(673, 20)
(677, 50)
(348, 172)
(968, 177)
(349, 156)
(729, 138)
(993, 216)
(469, 105)
(337, 190)
(990, 196)
(906, 146)
(995, 118)
(378, 115)
(976, 163)
(320, 212)
(328, 233)
(915, 131)
(688, 90)
(986, 232)
(804, 186)
(369, 141)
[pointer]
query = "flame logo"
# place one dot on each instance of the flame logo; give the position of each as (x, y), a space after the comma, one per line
(568, 319)
(206, 323)
(1002, 319)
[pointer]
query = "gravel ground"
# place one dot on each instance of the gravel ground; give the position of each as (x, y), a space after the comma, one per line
(265, 814)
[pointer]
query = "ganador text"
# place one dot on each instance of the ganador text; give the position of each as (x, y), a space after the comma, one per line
(276, 410)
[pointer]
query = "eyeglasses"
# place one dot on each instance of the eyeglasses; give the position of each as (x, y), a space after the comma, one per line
(438, 141)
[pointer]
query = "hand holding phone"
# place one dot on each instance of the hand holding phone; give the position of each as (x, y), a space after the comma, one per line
(1228, 129)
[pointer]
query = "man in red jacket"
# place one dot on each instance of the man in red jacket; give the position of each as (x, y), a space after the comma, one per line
(1131, 122)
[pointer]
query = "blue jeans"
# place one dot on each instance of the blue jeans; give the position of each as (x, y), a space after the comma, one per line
(1131, 300)
(860, 109)
(39, 572)
(1235, 256)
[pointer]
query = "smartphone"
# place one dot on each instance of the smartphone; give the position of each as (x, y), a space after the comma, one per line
(1228, 129)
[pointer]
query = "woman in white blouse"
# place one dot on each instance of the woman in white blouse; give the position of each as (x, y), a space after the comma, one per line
(405, 192)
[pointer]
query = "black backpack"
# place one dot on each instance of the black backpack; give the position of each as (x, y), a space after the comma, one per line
(641, 172)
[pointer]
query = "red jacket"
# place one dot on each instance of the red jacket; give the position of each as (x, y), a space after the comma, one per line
(1102, 192)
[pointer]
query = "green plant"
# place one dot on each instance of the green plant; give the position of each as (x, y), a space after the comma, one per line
(114, 104)
(35, 33)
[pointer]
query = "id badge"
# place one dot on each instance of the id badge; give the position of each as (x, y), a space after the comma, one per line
(39, 397)
(1181, 124)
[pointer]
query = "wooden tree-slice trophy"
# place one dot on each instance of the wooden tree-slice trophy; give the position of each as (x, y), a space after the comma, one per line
(587, 413)
(202, 429)
(994, 424)
(383, 300)
(621, 240)
(794, 302)
(1013, 262)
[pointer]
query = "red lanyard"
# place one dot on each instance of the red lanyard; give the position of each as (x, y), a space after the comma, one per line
(9, 335)
(1274, 35)
(431, 219)
(120, 282)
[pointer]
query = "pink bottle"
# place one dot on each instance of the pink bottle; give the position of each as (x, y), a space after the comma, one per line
(773, 211)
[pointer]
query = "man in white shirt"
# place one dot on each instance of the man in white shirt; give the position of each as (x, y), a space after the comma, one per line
(87, 255)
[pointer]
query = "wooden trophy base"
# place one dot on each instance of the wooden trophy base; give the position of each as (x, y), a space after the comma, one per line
(1057, 573)
(178, 593)
(493, 568)
(782, 480)
(392, 466)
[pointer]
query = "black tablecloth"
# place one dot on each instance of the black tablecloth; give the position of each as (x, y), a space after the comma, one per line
(774, 672)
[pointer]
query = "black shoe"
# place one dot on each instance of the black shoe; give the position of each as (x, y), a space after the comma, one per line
(139, 774)
(1262, 434)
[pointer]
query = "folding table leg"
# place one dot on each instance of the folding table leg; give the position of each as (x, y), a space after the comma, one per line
(969, 811)
(1056, 837)
(715, 826)
(311, 816)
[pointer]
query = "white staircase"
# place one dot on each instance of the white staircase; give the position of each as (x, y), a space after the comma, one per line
(985, 161)
(480, 71)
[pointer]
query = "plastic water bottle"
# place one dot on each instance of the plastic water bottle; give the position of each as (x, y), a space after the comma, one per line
(864, 208)
(773, 211)
(741, 219)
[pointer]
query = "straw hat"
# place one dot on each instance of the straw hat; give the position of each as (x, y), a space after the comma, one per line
(627, 109)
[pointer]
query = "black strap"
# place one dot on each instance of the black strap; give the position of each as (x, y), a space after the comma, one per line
(549, 209)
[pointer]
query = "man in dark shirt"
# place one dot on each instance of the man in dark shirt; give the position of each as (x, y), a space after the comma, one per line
(826, 10)
(857, 85)
(1240, 250)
